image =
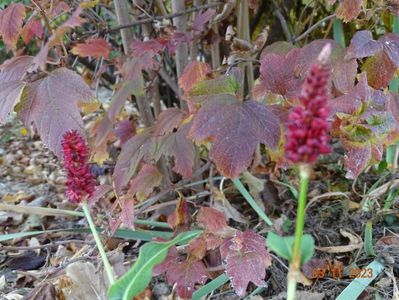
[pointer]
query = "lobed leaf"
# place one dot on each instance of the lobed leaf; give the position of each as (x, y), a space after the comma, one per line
(33, 28)
(50, 104)
(144, 183)
(193, 73)
(362, 45)
(235, 129)
(246, 260)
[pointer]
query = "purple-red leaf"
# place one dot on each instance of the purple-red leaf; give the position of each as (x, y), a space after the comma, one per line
(11, 20)
(363, 45)
(246, 260)
(380, 70)
(125, 130)
(144, 183)
(235, 129)
(211, 219)
(193, 73)
(202, 18)
(169, 120)
(11, 84)
(390, 43)
(50, 104)
(32, 29)
(182, 149)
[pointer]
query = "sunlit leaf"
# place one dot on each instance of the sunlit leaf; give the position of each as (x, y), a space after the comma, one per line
(93, 47)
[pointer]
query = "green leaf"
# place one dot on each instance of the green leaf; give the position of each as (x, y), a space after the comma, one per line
(368, 239)
(139, 276)
(282, 246)
(210, 287)
(358, 285)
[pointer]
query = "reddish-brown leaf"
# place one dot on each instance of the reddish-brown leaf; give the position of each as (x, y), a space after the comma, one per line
(144, 183)
(184, 272)
(50, 104)
(33, 28)
(94, 47)
(362, 45)
(133, 152)
(11, 83)
(125, 130)
(236, 129)
(127, 213)
(211, 219)
(169, 120)
(11, 20)
(180, 219)
(390, 43)
(198, 247)
(380, 70)
(246, 260)
(193, 73)
(349, 9)
(182, 149)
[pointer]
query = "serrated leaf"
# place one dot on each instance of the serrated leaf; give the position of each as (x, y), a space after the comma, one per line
(11, 20)
(50, 104)
(168, 120)
(95, 48)
(33, 28)
(349, 9)
(11, 83)
(246, 259)
(235, 129)
(144, 183)
(185, 273)
(210, 89)
(194, 72)
(363, 45)
(139, 276)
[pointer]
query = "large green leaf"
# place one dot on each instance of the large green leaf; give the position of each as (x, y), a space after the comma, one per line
(139, 276)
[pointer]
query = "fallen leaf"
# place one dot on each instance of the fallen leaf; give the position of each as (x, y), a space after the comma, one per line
(27, 261)
(45, 291)
(356, 242)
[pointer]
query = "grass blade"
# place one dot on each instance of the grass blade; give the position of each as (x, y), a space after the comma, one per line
(251, 201)
(368, 239)
(358, 285)
(210, 286)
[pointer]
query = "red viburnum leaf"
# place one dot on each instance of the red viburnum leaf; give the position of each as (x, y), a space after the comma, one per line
(390, 43)
(193, 73)
(33, 28)
(11, 83)
(246, 260)
(363, 45)
(380, 70)
(11, 20)
(180, 219)
(202, 18)
(211, 219)
(198, 247)
(125, 130)
(94, 47)
(184, 272)
(144, 183)
(50, 104)
(153, 46)
(177, 145)
(168, 120)
(59, 8)
(235, 129)
(349, 9)
(133, 152)
(127, 213)
(277, 74)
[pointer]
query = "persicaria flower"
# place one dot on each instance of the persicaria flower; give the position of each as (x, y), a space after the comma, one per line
(80, 182)
(307, 129)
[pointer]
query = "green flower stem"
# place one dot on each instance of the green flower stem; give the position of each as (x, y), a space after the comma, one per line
(295, 264)
(107, 265)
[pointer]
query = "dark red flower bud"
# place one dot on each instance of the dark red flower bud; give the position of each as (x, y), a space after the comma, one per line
(80, 182)
(307, 129)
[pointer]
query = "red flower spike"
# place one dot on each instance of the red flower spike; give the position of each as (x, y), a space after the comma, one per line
(80, 181)
(307, 129)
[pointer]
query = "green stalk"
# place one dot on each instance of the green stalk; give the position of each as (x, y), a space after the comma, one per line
(300, 221)
(107, 265)
(251, 201)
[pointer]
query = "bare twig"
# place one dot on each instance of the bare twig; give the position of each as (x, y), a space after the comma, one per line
(313, 27)
(283, 23)
(160, 18)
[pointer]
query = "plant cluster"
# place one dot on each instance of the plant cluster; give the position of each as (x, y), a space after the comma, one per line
(266, 103)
